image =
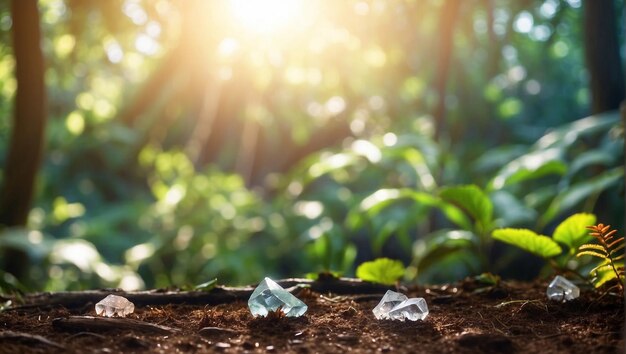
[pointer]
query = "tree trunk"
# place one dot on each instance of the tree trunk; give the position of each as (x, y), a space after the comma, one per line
(602, 55)
(447, 22)
(25, 149)
(26, 142)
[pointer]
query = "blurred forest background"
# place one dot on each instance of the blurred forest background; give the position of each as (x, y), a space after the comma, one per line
(151, 143)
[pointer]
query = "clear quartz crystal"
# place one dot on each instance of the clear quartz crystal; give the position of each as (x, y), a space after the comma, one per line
(561, 289)
(412, 309)
(387, 303)
(269, 296)
(114, 305)
(397, 306)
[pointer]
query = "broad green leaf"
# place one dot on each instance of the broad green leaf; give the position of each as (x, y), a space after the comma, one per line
(590, 158)
(495, 158)
(539, 245)
(604, 265)
(207, 286)
(472, 200)
(331, 163)
(381, 270)
(510, 211)
(567, 134)
(383, 198)
(572, 231)
(433, 248)
(575, 194)
(530, 166)
(606, 274)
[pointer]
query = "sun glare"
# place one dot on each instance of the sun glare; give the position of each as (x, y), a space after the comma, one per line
(266, 16)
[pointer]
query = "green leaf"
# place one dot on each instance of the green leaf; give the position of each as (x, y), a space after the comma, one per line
(590, 158)
(572, 231)
(539, 245)
(381, 270)
(488, 279)
(432, 249)
(604, 275)
(208, 286)
(575, 194)
(472, 200)
(530, 166)
(384, 198)
(510, 211)
(567, 134)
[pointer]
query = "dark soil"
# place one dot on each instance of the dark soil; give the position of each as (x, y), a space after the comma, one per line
(515, 317)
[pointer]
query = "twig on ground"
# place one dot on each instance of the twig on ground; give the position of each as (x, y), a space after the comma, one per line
(106, 323)
(29, 337)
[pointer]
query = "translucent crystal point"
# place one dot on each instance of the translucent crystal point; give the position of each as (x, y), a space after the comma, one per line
(561, 289)
(269, 296)
(114, 305)
(412, 309)
(387, 303)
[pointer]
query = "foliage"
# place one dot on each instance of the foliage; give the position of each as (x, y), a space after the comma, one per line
(319, 146)
(381, 270)
(568, 236)
(206, 286)
(610, 250)
(567, 157)
(539, 245)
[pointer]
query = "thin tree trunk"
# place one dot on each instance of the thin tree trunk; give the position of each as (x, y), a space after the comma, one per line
(602, 55)
(25, 148)
(27, 139)
(449, 13)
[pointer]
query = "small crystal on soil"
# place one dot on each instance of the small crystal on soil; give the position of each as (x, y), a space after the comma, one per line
(387, 303)
(412, 309)
(269, 296)
(114, 305)
(397, 306)
(561, 289)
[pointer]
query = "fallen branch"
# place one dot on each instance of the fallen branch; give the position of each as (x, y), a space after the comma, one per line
(30, 338)
(81, 323)
(218, 295)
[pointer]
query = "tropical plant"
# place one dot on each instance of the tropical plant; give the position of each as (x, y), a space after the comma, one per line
(560, 249)
(381, 270)
(567, 168)
(610, 250)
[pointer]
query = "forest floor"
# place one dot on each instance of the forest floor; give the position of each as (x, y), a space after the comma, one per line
(513, 317)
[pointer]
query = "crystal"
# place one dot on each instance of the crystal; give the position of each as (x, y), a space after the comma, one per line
(397, 306)
(561, 289)
(113, 305)
(269, 296)
(387, 303)
(412, 309)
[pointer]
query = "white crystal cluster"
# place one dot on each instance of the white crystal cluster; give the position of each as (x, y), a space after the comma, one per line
(397, 306)
(269, 296)
(114, 305)
(561, 289)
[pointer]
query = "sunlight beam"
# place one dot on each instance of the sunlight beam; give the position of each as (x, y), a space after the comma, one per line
(266, 16)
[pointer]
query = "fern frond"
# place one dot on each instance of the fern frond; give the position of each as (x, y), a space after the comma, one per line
(618, 250)
(591, 253)
(615, 242)
(618, 258)
(592, 246)
(609, 235)
(611, 250)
